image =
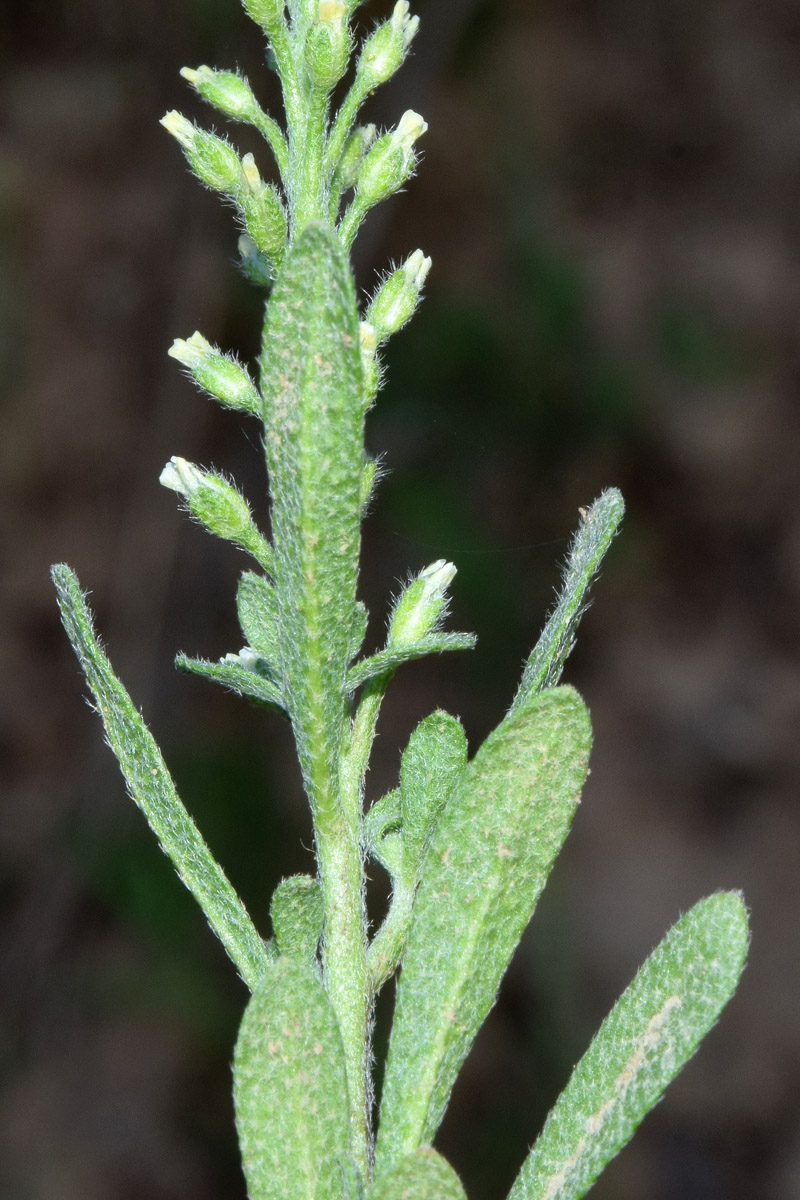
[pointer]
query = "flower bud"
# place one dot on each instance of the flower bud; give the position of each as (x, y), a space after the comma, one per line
(266, 13)
(211, 158)
(226, 91)
(385, 49)
(397, 299)
(391, 160)
(422, 605)
(218, 374)
(356, 146)
(263, 211)
(327, 46)
(211, 499)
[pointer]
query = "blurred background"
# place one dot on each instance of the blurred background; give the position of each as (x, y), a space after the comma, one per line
(610, 196)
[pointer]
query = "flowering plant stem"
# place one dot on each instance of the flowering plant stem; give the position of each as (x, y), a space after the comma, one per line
(467, 843)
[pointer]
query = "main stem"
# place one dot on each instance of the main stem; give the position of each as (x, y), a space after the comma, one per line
(336, 822)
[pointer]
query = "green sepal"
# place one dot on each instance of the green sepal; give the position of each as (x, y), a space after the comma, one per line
(257, 607)
(488, 861)
(290, 1089)
(256, 683)
(151, 787)
(593, 538)
(296, 913)
(423, 1175)
(432, 763)
(389, 660)
(650, 1033)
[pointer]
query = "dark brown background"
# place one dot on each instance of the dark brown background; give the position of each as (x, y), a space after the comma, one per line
(610, 195)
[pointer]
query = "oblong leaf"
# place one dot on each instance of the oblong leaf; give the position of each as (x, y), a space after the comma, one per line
(648, 1036)
(311, 379)
(296, 914)
(257, 607)
(432, 761)
(423, 1175)
(489, 858)
(290, 1090)
(151, 787)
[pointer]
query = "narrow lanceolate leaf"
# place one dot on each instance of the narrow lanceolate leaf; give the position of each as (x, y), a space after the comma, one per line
(487, 864)
(311, 380)
(251, 681)
(593, 538)
(423, 1175)
(390, 660)
(650, 1033)
(151, 786)
(289, 1089)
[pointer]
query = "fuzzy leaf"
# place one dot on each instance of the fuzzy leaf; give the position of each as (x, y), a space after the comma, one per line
(648, 1036)
(389, 660)
(380, 832)
(489, 859)
(312, 383)
(290, 1090)
(245, 681)
(595, 533)
(423, 1175)
(296, 912)
(257, 606)
(359, 629)
(151, 787)
(433, 760)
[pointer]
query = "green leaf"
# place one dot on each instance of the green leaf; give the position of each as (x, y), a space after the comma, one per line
(151, 787)
(296, 912)
(432, 762)
(389, 660)
(648, 1036)
(312, 384)
(256, 683)
(290, 1090)
(595, 533)
(380, 832)
(257, 606)
(359, 629)
(489, 859)
(423, 1175)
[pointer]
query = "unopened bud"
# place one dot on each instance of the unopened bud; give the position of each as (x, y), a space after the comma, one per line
(384, 50)
(265, 13)
(263, 212)
(211, 499)
(328, 44)
(355, 148)
(397, 299)
(422, 605)
(217, 373)
(226, 91)
(211, 158)
(391, 160)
